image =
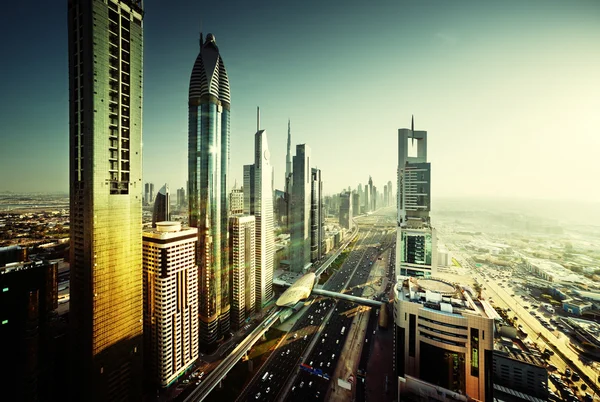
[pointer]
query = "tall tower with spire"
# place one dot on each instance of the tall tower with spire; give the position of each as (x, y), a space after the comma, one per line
(208, 166)
(258, 201)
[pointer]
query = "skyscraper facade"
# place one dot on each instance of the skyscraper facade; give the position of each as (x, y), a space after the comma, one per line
(289, 179)
(258, 201)
(367, 200)
(181, 197)
(416, 239)
(242, 252)
(162, 207)
(355, 204)
(105, 131)
(301, 207)
(170, 278)
(345, 219)
(316, 215)
(391, 197)
(208, 165)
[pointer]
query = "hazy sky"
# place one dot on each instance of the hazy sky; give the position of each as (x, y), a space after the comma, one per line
(509, 91)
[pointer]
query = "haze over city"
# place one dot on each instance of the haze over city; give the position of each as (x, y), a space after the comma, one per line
(509, 92)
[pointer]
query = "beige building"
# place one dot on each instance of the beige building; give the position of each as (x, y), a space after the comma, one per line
(242, 243)
(170, 301)
(442, 335)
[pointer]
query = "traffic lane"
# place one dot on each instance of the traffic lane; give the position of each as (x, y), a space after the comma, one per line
(320, 316)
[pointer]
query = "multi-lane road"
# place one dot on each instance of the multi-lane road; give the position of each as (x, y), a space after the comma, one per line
(316, 339)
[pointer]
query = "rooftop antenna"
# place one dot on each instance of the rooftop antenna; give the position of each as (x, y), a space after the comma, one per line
(257, 118)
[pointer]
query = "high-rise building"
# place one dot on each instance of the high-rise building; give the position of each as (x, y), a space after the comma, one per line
(208, 165)
(170, 278)
(316, 215)
(301, 206)
(258, 201)
(162, 206)
(385, 195)
(371, 194)
(391, 197)
(181, 197)
(443, 336)
(367, 200)
(28, 295)
(289, 178)
(374, 197)
(148, 193)
(355, 204)
(416, 239)
(105, 130)
(236, 201)
(345, 219)
(242, 252)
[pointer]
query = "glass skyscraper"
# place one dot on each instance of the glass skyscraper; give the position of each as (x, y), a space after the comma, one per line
(105, 154)
(208, 165)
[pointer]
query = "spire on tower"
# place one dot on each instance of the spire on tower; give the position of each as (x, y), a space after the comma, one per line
(412, 129)
(257, 118)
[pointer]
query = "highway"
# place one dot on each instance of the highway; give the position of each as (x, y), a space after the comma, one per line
(217, 375)
(281, 367)
(313, 382)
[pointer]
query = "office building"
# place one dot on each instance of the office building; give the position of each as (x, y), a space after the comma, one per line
(236, 201)
(367, 199)
(209, 109)
(258, 201)
(374, 197)
(355, 204)
(316, 215)
(148, 193)
(105, 132)
(170, 279)
(385, 195)
(28, 295)
(391, 198)
(242, 252)
(519, 375)
(416, 239)
(301, 208)
(289, 178)
(162, 206)
(345, 219)
(443, 337)
(181, 202)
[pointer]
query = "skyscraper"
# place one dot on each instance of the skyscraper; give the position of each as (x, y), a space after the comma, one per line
(416, 253)
(316, 215)
(301, 206)
(391, 197)
(258, 201)
(367, 200)
(105, 130)
(242, 252)
(345, 219)
(208, 165)
(289, 179)
(162, 206)
(355, 204)
(181, 197)
(170, 280)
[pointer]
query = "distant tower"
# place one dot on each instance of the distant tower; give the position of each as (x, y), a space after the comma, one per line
(316, 215)
(288, 176)
(105, 150)
(300, 210)
(242, 256)
(162, 201)
(345, 218)
(258, 201)
(170, 322)
(208, 165)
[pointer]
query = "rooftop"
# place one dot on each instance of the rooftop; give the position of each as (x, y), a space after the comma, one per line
(441, 295)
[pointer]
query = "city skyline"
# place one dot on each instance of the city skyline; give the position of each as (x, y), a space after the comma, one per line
(462, 70)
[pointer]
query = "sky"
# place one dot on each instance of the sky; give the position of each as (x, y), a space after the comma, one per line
(509, 91)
